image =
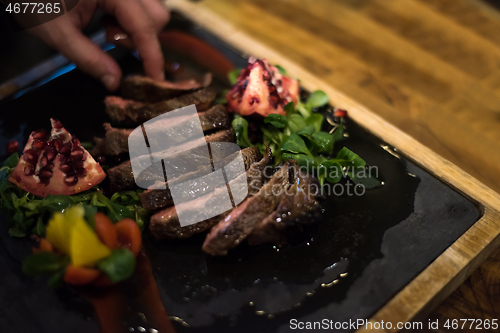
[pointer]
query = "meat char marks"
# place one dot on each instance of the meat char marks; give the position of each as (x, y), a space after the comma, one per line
(289, 192)
(147, 90)
(132, 113)
(165, 223)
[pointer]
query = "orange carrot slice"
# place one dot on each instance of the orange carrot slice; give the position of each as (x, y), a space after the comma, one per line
(80, 275)
(106, 230)
(129, 235)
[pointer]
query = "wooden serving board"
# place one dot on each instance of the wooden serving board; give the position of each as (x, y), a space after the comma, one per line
(458, 261)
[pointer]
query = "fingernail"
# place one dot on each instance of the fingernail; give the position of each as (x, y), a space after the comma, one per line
(108, 80)
(118, 37)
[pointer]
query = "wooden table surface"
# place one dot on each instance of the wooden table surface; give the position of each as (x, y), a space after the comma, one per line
(430, 67)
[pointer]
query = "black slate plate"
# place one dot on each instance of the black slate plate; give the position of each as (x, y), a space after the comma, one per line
(364, 251)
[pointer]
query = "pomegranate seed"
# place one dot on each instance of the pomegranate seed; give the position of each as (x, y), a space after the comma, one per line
(76, 142)
(71, 180)
(40, 135)
(77, 155)
(43, 161)
(38, 144)
(81, 171)
(57, 124)
(29, 170)
(51, 153)
(101, 160)
(12, 147)
(66, 148)
(45, 174)
(56, 143)
(30, 156)
(66, 168)
(340, 113)
(78, 165)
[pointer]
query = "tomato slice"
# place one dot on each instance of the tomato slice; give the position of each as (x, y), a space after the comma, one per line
(129, 235)
(80, 275)
(106, 230)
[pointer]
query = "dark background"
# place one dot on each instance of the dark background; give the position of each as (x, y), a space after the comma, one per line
(20, 51)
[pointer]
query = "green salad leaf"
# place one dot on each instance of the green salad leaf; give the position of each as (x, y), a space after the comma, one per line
(11, 162)
(281, 70)
(317, 99)
(240, 127)
(295, 144)
(44, 263)
(233, 76)
(276, 120)
(119, 266)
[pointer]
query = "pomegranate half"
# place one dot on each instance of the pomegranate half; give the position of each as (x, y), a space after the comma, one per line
(57, 166)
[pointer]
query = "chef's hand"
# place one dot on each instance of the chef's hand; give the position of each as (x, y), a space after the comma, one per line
(137, 25)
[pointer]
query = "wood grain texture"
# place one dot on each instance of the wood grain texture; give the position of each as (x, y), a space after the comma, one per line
(411, 69)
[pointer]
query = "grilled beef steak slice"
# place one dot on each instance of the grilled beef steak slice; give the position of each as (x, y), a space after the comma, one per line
(180, 158)
(161, 222)
(131, 113)
(165, 224)
(121, 176)
(229, 232)
(157, 197)
(298, 207)
(147, 90)
(256, 175)
(115, 141)
(214, 118)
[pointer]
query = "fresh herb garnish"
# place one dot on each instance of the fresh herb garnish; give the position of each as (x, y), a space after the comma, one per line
(119, 265)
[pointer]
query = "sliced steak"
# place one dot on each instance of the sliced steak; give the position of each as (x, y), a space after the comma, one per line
(157, 197)
(116, 142)
(230, 231)
(299, 206)
(180, 158)
(147, 90)
(214, 118)
(131, 113)
(165, 223)
(257, 174)
(121, 177)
